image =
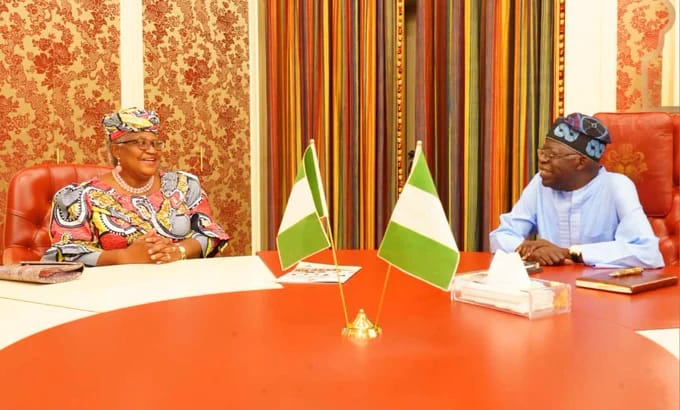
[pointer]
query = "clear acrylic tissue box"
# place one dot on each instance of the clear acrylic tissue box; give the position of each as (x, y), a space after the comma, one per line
(543, 298)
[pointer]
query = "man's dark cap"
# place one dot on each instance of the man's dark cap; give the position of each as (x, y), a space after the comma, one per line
(582, 133)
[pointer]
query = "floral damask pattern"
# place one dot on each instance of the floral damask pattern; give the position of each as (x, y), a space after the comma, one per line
(624, 160)
(197, 79)
(642, 26)
(59, 70)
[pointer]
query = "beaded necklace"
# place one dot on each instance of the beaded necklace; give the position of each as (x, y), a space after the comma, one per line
(138, 191)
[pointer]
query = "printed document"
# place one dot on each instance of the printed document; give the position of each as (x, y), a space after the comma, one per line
(308, 272)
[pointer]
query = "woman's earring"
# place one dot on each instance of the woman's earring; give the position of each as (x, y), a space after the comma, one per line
(118, 166)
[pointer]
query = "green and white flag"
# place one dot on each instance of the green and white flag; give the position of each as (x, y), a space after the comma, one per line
(418, 238)
(301, 233)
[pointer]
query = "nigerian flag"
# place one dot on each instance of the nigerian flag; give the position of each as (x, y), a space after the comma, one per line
(301, 233)
(418, 239)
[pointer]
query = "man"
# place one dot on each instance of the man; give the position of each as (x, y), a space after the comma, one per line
(578, 210)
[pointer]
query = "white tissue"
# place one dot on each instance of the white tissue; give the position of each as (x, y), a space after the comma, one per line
(507, 270)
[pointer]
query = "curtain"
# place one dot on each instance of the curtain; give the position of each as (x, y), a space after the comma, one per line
(486, 99)
(330, 77)
(485, 84)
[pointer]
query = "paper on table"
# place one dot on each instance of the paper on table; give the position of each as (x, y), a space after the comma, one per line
(508, 270)
(107, 288)
(21, 319)
(669, 339)
(308, 272)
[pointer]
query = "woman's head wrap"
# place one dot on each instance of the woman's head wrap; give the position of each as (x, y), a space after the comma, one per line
(128, 120)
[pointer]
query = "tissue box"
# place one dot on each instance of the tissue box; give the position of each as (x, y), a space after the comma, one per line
(542, 298)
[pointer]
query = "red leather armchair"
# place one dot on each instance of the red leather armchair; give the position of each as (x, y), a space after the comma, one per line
(29, 201)
(646, 147)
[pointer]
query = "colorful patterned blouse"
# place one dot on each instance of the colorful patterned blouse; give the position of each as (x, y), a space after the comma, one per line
(92, 217)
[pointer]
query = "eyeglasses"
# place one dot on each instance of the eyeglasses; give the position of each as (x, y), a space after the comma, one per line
(144, 144)
(548, 155)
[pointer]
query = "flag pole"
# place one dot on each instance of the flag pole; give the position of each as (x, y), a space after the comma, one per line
(327, 226)
(382, 295)
(360, 328)
(337, 271)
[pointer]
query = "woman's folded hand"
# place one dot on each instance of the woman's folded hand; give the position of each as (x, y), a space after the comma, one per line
(160, 249)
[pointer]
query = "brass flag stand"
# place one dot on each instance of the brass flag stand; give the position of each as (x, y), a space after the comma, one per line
(300, 237)
(361, 327)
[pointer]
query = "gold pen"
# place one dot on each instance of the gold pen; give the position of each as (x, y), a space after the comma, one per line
(626, 272)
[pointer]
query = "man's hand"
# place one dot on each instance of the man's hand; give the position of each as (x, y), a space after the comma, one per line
(543, 252)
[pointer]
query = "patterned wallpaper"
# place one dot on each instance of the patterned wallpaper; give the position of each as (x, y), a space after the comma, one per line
(642, 26)
(59, 72)
(196, 77)
(59, 69)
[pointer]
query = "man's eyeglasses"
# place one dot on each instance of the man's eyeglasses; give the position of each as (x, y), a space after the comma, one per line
(547, 155)
(144, 144)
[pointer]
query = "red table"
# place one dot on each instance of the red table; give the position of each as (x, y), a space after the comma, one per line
(283, 349)
(655, 309)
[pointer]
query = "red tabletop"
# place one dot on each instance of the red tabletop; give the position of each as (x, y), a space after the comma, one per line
(656, 309)
(283, 349)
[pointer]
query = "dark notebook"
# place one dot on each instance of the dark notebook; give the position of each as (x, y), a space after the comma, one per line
(647, 280)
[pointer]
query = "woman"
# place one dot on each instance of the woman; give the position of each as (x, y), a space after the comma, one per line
(135, 213)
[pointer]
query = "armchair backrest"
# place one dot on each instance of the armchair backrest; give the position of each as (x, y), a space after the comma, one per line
(29, 202)
(645, 147)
